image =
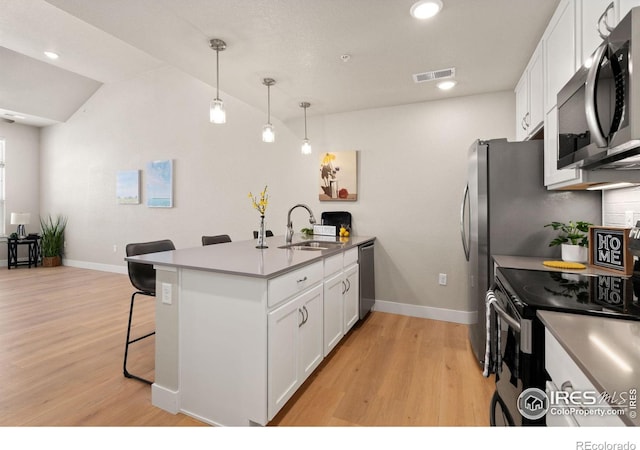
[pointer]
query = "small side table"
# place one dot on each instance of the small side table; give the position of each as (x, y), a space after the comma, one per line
(33, 242)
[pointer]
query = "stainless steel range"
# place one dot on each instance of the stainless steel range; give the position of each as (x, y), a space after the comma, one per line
(518, 360)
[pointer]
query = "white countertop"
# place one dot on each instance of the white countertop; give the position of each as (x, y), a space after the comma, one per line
(606, 350)
(243, 258)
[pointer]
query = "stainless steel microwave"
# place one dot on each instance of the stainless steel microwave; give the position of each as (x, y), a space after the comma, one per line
(599, 108)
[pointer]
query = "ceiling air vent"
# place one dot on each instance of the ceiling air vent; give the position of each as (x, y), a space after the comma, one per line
(434, 75)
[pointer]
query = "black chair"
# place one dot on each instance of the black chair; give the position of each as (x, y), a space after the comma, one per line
(267, 233)
(219, 239)
(143, 278)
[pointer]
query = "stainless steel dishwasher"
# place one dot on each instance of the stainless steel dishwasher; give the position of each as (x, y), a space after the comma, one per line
(367, 278)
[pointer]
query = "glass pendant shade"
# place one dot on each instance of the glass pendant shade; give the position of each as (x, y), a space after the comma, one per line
(306, 147)
(217, 114)
(268, 133)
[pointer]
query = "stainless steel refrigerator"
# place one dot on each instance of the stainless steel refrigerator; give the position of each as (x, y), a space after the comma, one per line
(504, 210)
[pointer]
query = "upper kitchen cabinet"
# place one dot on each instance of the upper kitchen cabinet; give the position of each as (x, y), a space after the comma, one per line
(530, 97)
(560, 51)
(594, 16)
(570, 38)
(624, 6)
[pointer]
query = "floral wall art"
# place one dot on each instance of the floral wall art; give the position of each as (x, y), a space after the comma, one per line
(339, 176)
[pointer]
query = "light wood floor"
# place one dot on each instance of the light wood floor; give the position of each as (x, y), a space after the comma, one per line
(62, 333)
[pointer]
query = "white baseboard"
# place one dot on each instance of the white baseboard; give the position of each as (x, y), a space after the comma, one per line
(165, 399)
(95, 266)
(426, 312)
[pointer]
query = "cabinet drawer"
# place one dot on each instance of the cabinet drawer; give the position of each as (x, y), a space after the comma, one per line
(351, 256)
(286, 285)
(567, 376)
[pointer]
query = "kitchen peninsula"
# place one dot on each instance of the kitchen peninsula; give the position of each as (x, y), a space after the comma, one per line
(239, 329)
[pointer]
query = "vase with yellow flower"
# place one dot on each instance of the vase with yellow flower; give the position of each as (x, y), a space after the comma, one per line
(260, 205)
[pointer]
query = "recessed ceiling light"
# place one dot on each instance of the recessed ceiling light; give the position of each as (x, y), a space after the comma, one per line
(51, 55)
(446, 85)
(424, 9)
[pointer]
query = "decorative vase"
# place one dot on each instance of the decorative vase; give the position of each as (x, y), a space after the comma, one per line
(261, 234)
(574, 253)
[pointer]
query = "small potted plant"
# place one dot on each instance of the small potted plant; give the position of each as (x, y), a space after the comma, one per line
(52, 241)
(573, 239)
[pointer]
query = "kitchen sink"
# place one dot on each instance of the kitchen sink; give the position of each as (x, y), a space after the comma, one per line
(313, 245)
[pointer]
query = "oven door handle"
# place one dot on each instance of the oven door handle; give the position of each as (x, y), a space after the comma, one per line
(513, 323)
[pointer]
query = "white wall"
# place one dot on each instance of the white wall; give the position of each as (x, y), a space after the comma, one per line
(411, 176)
(413, 168)
(22, 173)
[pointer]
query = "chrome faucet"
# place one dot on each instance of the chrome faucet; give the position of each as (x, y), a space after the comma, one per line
(312, 220)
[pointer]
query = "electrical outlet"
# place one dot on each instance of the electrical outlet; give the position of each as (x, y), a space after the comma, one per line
(166, 293)
(628, 219)
(442, 279)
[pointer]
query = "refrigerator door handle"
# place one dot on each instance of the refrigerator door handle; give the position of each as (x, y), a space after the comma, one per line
(465, 243)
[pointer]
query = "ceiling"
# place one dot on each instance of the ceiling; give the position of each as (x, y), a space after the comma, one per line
(299, 43)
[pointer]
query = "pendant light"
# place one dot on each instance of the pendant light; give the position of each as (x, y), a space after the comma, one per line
(306, 146)
(268, 133)
(217, 114)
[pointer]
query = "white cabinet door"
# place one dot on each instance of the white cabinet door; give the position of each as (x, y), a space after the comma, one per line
(530, 97)
(536, 91)
(591, 12)
(311, 343)
(351, 297)
(522, 107)
(333, 311)
(283, 344)
(294, 347)
(624, 6)
(560, 51)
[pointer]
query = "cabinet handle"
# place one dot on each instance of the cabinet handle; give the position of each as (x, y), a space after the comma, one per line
(526, 120)
(523, 123)
(349, 285)
(302, 314)
(302, 279)
(567, 386)
(306, 313)
(603, 18)
(344, 287)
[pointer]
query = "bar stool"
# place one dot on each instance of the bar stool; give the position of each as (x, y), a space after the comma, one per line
(218, 239)
(143, 278)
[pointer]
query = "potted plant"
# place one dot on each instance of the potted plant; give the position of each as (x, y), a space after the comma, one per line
(52, 241)
(573, 239)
